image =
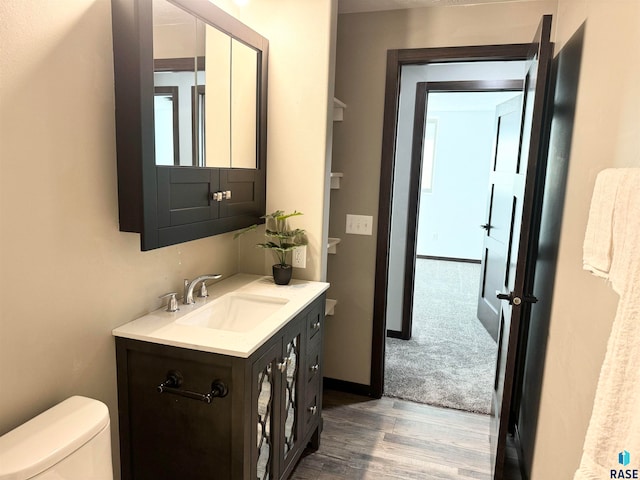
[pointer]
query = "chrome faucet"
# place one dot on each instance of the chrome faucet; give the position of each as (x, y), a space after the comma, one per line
(190, 285)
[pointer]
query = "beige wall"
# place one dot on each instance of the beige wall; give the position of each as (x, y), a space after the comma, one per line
(363, 40)
(300, 96)
(605, 135)
(68, 276)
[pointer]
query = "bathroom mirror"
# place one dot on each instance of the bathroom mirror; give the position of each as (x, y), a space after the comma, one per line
(191, 103)
(216, 77)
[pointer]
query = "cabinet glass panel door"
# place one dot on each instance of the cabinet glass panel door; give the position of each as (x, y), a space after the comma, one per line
(265, 385)
(291, 395)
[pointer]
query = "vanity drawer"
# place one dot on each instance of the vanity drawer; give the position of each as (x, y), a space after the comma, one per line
(314, 362)
(312, 406)
(315, 317)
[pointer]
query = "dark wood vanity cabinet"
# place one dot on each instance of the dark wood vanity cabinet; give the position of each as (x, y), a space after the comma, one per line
(271, 412)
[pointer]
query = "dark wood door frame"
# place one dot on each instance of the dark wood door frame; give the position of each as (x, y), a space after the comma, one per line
(395, 60)
(419, 118)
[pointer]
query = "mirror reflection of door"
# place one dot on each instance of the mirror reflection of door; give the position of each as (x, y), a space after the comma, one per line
(198, 124)
(178, 62)
(219, 129)
(165, 105)
(186, 135)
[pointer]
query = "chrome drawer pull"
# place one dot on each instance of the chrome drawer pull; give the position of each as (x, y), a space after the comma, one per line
(315, 325)
(314, 368)
(313, 410)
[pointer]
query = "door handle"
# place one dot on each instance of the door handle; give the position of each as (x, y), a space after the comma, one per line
(510, 297)
(514, 300)
(486, 226)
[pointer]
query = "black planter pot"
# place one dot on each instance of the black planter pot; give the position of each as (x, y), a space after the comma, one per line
(282, 274)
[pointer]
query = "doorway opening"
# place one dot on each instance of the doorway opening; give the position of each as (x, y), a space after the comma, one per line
(437, 351)
(398, 61)
(519, 174)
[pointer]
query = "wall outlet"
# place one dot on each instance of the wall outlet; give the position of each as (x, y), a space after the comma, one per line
(359, 224)
(299, 257)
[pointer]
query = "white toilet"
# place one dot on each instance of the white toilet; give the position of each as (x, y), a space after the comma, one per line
(70, 441)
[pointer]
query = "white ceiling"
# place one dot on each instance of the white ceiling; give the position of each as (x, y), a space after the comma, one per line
(353, 6)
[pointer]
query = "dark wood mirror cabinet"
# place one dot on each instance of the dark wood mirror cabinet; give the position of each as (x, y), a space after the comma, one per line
(170, 204)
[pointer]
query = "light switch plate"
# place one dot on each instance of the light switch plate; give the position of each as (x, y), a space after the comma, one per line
(359, 224)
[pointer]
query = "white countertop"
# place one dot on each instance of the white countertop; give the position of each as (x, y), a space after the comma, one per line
(160, 327)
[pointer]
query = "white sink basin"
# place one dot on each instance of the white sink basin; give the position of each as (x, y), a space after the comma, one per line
(234, 312)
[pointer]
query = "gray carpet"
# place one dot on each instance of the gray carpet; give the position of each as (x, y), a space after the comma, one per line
(450, 360)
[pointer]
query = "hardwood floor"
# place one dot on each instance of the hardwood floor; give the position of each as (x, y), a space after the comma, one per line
(387, 438)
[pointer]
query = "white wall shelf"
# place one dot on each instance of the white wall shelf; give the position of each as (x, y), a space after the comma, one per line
(335, 180)
(338, 116)
(330, 305)
(338, 110)
(331, 246)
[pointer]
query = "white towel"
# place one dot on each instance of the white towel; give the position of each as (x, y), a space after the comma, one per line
(598, 239)
(612, 251)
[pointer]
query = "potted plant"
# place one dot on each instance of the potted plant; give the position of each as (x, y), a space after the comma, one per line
(281, 240)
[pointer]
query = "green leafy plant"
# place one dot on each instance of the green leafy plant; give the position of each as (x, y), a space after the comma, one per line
(281, 239)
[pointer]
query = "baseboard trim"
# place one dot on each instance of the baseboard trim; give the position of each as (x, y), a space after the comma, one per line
(345, 386)
(449, 259)
(395, 334)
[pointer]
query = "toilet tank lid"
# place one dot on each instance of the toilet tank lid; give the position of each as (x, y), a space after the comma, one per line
(53, 435)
